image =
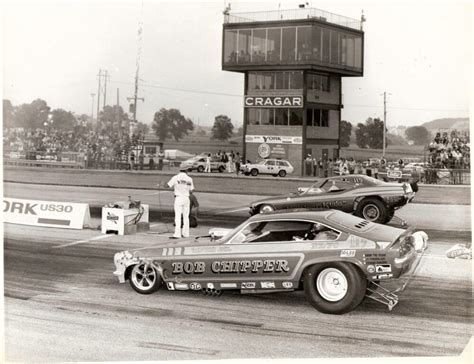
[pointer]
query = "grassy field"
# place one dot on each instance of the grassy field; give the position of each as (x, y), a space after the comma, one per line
(197, 145)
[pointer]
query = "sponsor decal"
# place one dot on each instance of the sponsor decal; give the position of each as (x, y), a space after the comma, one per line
(375, 258)
(287, 284)
(273, 101)
(181, 286)
(170, 286)
(370, 269)
(195, 286)
(263, 150)
(112, 217)
(247, 285)
(267, 284)
(348, 253)
(45, 213)
(210, 285)
(273, 139)
(228, 285)
(383, 268)
(383, 276)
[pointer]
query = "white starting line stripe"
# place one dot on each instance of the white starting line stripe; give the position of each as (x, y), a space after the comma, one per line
(98, 237)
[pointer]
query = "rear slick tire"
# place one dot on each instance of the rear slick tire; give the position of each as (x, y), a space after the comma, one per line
(334, 288)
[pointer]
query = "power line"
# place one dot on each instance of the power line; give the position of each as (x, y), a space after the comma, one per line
(239, 95)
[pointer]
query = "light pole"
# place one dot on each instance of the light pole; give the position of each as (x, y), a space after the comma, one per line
(92, 110)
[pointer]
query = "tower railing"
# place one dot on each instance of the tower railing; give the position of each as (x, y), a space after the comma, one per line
(293, 14)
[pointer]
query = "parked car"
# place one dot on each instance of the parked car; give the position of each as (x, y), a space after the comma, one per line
(198, 164)
(361, 195)
(336, 258)
(409, 173)
(275, 167)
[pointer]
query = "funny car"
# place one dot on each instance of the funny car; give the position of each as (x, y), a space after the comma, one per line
(336, 258)
(275, 167)
(364, 196)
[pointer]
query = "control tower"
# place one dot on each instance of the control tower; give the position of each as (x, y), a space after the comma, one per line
(293, 62)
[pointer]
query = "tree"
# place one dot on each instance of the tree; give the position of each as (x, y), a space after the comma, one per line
(370, 134)
(31, 116)
(223, 128)
(419, 134)
(112, 116)
(62, 119)
(346, 130)
(142, 129)
(8, 114)
(171, 123)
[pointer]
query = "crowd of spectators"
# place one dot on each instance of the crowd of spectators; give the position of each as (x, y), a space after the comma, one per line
(97, 149)
(339, 166)
(450, 151)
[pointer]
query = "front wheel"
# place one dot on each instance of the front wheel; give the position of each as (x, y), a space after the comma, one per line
(144, 278)
(334, 288)
(221, 169)
(200, 169)
(254, 172)
(373, 210)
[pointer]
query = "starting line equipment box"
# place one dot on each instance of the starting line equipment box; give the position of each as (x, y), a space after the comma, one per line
(124, 221)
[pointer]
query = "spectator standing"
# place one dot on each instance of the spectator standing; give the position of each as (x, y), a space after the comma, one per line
(208, 163)
(308, 163)
(330, 168)
(141, 159)
(237, 163)
(151, 163)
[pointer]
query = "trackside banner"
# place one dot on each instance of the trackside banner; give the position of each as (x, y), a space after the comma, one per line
(65, 215)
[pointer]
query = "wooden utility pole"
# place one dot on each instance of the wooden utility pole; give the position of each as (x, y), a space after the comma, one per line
(384, 121)
(98, 100)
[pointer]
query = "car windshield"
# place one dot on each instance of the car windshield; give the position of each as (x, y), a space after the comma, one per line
(314, 187)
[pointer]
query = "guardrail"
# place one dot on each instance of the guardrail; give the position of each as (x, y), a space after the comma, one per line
(42, 159)
(443, 176)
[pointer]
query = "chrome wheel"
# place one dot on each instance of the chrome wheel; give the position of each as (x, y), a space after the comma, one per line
(144, 277)
(332, 284)
(371, 212)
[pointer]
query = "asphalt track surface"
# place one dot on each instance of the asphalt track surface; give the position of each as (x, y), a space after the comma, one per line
(62, 302)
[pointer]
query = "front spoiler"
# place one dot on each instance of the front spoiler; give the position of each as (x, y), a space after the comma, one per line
(390, 297)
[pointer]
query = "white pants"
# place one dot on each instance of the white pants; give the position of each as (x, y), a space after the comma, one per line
(208, 167)
(181, 207)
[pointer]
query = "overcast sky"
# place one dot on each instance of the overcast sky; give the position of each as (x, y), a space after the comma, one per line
(418, 51)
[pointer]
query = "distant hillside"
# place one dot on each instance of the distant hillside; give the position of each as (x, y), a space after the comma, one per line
(447, 123)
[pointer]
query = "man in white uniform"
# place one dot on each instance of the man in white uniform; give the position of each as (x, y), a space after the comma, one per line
(182, 185)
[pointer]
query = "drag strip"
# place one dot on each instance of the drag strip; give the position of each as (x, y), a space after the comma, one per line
(69, 295)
